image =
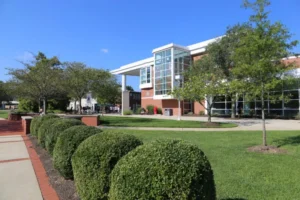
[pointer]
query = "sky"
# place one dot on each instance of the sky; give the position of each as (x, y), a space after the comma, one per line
(112, 33)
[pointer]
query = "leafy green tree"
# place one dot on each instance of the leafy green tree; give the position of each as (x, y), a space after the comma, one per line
(78, 80)
(221, 52)
(258, 56)
(5, 94)
(38, 80)
(129, 88)
(204, 81)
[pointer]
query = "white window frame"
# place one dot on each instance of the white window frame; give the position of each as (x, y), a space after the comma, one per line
(146, 85)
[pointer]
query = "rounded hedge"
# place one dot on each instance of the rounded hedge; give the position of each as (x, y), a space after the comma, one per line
(44, 130)
(56, 129)
(66, 144)
(38, 121)
(94, 160)
(34, 122)
(163, 169)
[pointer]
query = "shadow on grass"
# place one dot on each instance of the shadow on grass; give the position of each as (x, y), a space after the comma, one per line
(124, 121)
(234, 199)
(294, 140)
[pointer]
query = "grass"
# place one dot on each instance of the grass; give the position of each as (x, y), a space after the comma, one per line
(241, 175)
(4, 114)
(147, 122)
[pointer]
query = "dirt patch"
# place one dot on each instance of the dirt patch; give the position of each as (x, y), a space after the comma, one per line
(65, 189)
(267, 149)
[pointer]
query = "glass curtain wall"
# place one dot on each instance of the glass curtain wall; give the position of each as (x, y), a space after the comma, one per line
(287, 108)
(163, 72)
(145, 75)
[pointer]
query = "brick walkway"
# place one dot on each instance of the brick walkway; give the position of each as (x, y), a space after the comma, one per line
(22, 173)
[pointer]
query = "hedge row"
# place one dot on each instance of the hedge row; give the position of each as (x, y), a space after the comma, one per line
(113, 165)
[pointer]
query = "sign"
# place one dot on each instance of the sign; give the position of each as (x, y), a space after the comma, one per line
(89, 98)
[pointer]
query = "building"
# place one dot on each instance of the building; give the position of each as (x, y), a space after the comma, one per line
(132, 100)
(160, 73)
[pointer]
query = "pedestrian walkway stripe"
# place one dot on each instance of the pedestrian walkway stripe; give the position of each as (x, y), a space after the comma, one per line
(13, 160)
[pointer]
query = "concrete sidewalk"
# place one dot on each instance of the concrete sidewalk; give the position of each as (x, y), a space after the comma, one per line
(243, 124)
(18, 180)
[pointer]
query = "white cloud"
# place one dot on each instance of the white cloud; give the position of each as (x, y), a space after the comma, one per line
(104, 50)
(25, 57)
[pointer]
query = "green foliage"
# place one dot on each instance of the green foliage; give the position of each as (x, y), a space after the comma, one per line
(258, 56)
(203, 81)
(150, 109)
(201, 112)
(5, 93)
(56, 129)
(66, 144)
(164, 169)
(27, 105)
(159, 111)
(33, 130)
(129, 88)
(44, 130)
(139, 111)
(40, 78)
(94, 160)
(38, 122)
(127, 112)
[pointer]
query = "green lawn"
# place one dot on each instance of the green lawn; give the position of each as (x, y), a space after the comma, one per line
(146, 122)
(239, 174)
(4, 114)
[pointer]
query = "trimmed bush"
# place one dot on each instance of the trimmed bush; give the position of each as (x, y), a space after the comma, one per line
(127, 112)
(56, 129)
(33, 130)
(159, 111)
(45, 129)
(150, 109)
(39, 121)
(66, 144)
(95, 158)
(163, 169)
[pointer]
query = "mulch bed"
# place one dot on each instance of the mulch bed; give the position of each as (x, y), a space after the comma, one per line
(267, 149)
(65, 189)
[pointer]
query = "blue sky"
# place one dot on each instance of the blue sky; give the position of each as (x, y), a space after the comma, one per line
(109, 34)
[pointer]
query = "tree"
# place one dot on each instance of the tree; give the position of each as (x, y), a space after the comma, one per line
(39, 80)
(5, 94)
(258, 56)
(108, 91)
(202, 82)
(129, 88)
(78, 80)
(221, 53)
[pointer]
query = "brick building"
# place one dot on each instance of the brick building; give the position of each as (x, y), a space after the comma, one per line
(160, 73)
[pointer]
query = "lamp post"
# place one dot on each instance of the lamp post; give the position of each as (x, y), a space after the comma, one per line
(178, 78)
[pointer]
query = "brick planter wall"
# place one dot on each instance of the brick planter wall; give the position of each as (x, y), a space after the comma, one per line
(26, 120)
(91, 120)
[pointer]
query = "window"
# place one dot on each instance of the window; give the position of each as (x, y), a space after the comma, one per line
(163, 73)
(145, 75)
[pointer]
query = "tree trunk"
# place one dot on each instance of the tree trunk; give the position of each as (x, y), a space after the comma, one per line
(232, 108)
(80, 106)
(209, 115)
(44, 105)
(75, 110)
(263, 118)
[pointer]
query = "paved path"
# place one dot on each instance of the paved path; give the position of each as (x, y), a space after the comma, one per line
(243, 124)
(22, 174)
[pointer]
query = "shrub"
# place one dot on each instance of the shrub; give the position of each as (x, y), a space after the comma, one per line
(159, 111)
(150, 109)
(163, 169)
(39, 122)
(127, 112)
(45, 129)
(139, 111)
(56, 129)
(95, 158)
(66, 144)
(201, 112)
(35, 120)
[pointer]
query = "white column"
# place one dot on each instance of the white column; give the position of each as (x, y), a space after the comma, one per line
(123, 82)
(123, 90)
